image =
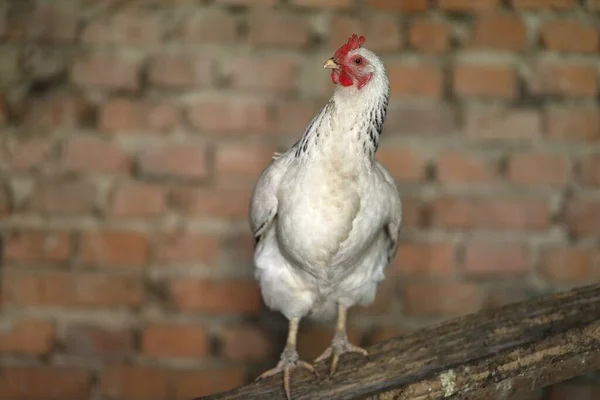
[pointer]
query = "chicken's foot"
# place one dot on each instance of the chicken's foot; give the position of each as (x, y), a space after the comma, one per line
(339, 344)
(289, 360)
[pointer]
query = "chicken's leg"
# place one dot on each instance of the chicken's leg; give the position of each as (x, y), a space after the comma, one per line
(340, 343)
(289, 359)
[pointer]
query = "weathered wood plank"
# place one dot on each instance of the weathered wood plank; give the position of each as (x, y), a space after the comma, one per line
(488, 355)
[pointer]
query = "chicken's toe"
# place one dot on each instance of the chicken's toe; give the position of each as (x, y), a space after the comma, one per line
(339, 345)
(289, 361)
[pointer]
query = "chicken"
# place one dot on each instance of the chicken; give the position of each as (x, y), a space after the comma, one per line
(326, 215)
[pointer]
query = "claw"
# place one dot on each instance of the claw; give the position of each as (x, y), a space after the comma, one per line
(339, 346)
(289, 361)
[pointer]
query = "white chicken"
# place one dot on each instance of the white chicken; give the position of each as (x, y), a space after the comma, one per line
(325, 214)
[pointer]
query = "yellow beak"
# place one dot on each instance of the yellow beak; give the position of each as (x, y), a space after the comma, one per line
(330, 64)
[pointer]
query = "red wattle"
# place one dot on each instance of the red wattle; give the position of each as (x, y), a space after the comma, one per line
(345, 79)
(334, 77)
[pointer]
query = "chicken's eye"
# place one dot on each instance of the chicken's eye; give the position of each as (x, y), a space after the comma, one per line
(358, 60)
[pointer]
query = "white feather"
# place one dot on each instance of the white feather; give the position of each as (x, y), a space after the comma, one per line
(327, 214)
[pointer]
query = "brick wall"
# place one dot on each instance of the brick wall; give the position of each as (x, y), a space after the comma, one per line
(131, 133)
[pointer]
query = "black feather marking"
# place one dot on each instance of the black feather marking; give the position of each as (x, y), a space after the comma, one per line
(312, 132)
(391, 244)
(259, 229)
(257, 235)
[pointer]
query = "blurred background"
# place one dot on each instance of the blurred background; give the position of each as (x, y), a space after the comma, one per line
(132, 133)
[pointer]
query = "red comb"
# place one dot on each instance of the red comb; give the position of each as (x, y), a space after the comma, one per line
(354, 42)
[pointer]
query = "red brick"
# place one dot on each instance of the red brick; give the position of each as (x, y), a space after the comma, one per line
(210, 27)
(399, 5)
(483, 259)
(413, 212)
(27, 337)
(227, 203)
(265, 27)
(187, 247)
(498, 32)
(242, 162)
(221, 297)
(573, 123)
(124, 115)
(174, 161)
(45, 246)
(570, 265)
(230, 116)
(583, 217)
(590, 170)
(164, 340)
(539, 169)
(189, 384)
(420, 119)
(509, 213)
(108, 72)
(544, 4)
(91, 154)
(292, 117)
(565, 79)
(425, 259)
(57, 110)
(45, 383)
(28, 153)
(114, 248)
(135, 383)
(569, 36)
(314, 340)
(467, 6)
(238, 248)
(382, 32)
(429, 36)
(63, 289)
(98, 342)
(268, 73)
(246, 342)
(144, 383)
(491, 123)
(485, 80)
(415, 80)
(404, 164)
(323, 3)
(456, 167)
(441, 298)
(164, 117)
(181, 72)
(136, 199)
(63, 197)
(126, 28)
(49, 23)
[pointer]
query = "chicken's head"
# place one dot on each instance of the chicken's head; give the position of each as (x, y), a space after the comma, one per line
(351, 64)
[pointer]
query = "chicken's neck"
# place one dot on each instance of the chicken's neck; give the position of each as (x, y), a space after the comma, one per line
(349, 125)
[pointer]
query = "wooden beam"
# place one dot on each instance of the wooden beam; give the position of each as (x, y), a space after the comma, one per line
(488, 355)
